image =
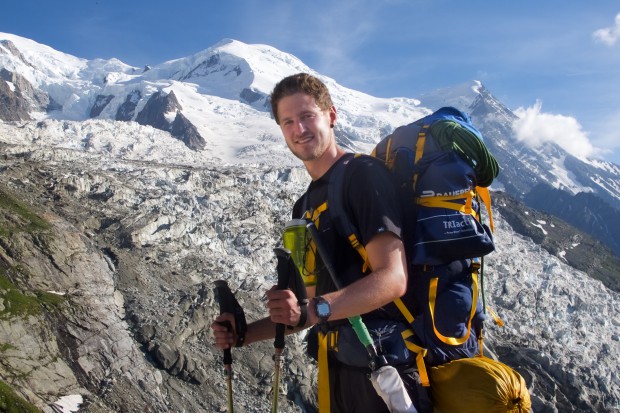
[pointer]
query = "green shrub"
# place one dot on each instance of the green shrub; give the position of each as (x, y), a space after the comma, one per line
(18, 304)
(34, 223)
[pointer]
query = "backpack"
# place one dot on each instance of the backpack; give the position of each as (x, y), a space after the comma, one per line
(442, 169)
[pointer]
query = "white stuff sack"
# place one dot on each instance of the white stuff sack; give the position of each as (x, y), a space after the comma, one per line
(390, 387)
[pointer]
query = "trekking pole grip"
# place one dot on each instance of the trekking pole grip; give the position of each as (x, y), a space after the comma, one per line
(228, 304)
(225, 299)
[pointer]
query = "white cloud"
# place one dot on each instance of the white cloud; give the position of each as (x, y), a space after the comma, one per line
(609, 35)
(535, 128)
(606, 134)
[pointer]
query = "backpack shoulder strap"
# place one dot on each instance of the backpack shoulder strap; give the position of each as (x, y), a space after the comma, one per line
(336, 208)
(344, 226)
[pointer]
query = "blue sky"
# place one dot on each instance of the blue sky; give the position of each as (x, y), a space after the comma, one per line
(555, 62)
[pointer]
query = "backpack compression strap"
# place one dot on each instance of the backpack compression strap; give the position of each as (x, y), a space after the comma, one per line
(432, 292)
(485, 196)
(419, 150)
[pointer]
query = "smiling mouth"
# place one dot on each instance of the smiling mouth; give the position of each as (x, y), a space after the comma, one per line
(304, 139)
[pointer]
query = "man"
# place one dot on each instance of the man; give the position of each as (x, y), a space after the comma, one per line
(303, 108)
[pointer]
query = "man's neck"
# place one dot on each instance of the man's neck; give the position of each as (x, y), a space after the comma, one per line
(318, 167)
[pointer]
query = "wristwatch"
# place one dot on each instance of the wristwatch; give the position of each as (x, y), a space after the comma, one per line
(322, 308)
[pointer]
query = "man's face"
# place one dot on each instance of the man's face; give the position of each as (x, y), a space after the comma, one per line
(306, 128)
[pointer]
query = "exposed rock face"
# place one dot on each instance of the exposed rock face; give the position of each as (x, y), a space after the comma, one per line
(9, 46)
(187, 133)
(13, 106)
(585, 211)
(101, 101)
(127, 110)
(19, 98)
(254, 98)
(155, 114)
(156, 108)
(80, 343)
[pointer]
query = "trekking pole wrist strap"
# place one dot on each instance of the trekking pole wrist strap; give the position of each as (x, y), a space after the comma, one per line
(241, 327)
(303, 316)
(240, 339)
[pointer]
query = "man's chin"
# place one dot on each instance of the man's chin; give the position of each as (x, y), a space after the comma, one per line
(306, 154)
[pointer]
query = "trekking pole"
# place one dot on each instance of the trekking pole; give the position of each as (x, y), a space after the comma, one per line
(283, 281)
(228, 304)
(384, 377)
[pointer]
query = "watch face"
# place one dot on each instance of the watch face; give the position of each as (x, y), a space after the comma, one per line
(322, 309)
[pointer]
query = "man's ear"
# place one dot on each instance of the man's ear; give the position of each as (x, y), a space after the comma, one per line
(332, 116)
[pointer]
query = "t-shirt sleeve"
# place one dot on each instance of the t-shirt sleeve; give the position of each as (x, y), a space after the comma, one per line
(371, 198)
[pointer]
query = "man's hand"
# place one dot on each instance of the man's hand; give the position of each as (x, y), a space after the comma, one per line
(283, 307)
(224, 331)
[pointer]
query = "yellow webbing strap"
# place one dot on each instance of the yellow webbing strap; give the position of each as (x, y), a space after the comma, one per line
(324, 401)
(404, 310)
(419, 359)
(360, 250)
(388, 161)
(432, 295)
(316, 213)
(419, 150)
(444, 201)
(419, 146)
(498, 321)
(485, 195)
(309, 274)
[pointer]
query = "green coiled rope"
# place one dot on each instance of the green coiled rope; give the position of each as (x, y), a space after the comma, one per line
(451, 135)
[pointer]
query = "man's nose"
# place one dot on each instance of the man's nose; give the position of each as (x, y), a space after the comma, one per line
(300, 127)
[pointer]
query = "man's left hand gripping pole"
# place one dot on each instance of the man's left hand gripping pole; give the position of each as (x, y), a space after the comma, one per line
(228, 304)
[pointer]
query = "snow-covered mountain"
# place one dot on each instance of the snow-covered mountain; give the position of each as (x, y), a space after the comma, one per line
(222, 92)
(216, 103)
(164, 178)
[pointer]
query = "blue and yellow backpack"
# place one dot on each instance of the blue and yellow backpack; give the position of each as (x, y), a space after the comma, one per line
(442, 169)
